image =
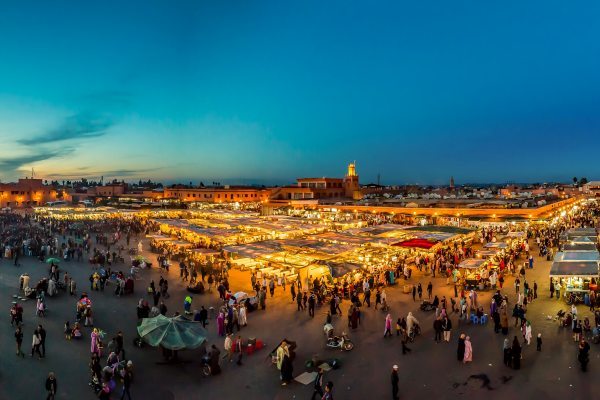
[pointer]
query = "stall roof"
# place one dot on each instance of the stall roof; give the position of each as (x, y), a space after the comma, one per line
(574, 268)
(515, 234)
(255, 250)
(441, 229)
(471, 263)
(207, 252)
(579, 247)
(577, 256)
(495, 245)
(487, 253)
(341, 269)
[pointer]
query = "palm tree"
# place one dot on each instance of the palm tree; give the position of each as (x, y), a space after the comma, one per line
(574, 180)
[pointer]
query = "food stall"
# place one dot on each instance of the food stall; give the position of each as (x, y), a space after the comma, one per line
(472, 272)
(575, 273)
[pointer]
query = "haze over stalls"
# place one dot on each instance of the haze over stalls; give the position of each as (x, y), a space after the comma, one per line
(268, 91)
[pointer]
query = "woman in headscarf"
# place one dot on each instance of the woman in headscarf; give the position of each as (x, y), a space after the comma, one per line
(507, 352)
(468, 350)
(221, 324)
(527, 335)
(95, 342)
(516, 353)
(242, 317)
(504, 320)
(287, 368)
(388, 326)
(460, 351)
(354, 317)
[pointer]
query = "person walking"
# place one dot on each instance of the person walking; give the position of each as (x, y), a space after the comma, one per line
(35, 344)
(447, 327)
(507, 351)
(395, 381)
(420, 291)
(414, 293)
(312, 302)
(583, 356)
(318, 385)
(19, 341)
(468, 350)
(42, 333)
(119, 342)
(328, 395)
(204, 316)
(388, 326)
(516, 354)
(437, 327)
(429, 290)
(460, 351)
(127, 378)
(51, 386)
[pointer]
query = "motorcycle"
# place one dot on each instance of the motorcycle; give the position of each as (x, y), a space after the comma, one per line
(340, 342)
(206, 369)
(427, 306)
(414, 332)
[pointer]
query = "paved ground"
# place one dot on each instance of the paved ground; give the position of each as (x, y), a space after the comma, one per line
(430, 370)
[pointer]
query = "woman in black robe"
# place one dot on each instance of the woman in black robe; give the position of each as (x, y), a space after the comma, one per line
(460, 351)
(516, 354)
(287, 369)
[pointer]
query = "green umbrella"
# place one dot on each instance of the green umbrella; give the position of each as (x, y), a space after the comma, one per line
(175, 333)
(52, 261)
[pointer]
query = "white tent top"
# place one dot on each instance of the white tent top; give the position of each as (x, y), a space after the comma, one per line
(565, 256)
(471, 263)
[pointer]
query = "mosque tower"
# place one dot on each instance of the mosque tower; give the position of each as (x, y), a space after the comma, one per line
(451, 183)
(351, 185)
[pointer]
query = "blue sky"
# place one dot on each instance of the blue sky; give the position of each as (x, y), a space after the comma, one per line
(267, 91)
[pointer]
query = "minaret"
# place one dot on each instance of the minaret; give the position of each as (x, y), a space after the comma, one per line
(351, 185)
(451, 183)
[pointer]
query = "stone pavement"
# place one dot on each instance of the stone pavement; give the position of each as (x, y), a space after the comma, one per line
(431, 369)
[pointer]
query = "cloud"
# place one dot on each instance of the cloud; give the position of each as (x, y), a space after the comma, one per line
(108, 173)
(16, 163)
(83, 125)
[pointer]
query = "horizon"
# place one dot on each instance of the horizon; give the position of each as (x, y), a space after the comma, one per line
(266, 92)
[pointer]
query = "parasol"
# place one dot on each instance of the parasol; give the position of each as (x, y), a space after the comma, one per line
(52, 261)
(175, 333)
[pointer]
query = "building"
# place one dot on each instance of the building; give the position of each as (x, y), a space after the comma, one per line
(225, 194)
(323, 189)
(26, 193)
(591, 188)
(108, 190)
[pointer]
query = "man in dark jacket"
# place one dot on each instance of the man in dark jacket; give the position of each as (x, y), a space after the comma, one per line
(203, 316)
(318, 385)
(51, 386)
(437, 327)
(395, 381)
(42, 333)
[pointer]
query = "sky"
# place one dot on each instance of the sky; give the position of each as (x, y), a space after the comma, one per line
(268, 91)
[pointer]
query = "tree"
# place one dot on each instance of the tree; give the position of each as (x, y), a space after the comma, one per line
(583, 181)
(201, 184)
(574, 180)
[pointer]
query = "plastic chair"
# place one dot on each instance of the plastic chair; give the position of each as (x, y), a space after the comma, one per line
(483, 319)
(474, 319)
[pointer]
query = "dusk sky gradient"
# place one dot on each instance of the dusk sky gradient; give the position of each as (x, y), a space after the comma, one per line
(267, 91)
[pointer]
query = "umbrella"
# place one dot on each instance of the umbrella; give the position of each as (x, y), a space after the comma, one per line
(52, 261)
(175, 333)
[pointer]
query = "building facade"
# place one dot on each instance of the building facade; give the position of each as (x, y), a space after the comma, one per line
(218, 195)
(347, 188)
(26, 193)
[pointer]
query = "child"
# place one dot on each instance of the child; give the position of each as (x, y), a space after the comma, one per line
(539, 342)
(68, 331)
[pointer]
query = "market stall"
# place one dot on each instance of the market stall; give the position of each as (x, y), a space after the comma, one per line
(575, 274)
(472, 272)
